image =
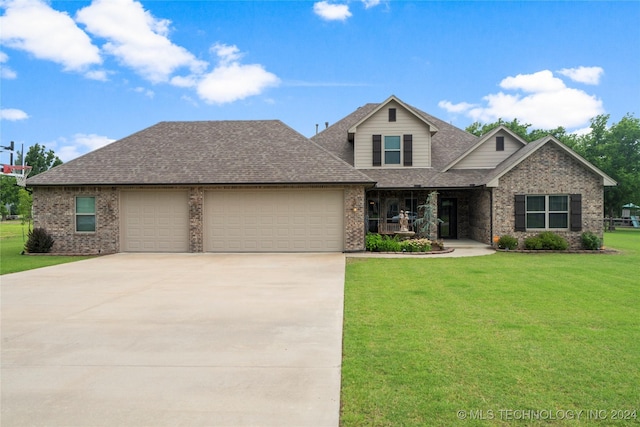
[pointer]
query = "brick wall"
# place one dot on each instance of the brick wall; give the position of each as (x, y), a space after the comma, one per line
(550, 170)
(54, 210)
(354, 213)
(480, 215)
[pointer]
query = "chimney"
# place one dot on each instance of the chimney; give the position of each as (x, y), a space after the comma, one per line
(326, 125)
(316, 128)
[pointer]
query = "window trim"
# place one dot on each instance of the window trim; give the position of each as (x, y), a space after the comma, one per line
(547, 211)
(392, 150)
(85, 214)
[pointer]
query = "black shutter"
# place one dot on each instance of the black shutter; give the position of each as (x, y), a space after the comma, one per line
(576, 212)
(408, 150)
(377, 150)
(521, 213)
(392, 114)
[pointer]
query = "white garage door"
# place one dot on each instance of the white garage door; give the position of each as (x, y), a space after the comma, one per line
(274, 221)
(155, 221)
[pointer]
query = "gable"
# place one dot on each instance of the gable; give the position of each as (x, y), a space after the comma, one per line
(393, 120)
(489, 150)
(546, 159)
(488, 155)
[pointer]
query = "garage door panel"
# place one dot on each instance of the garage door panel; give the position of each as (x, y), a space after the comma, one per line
(282, 220)
(155, 221)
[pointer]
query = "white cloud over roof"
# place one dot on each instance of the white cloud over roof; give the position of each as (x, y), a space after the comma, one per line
(230, 81)
(137, 39)
(586, 75)
(540, 99)
(331, 12)
(80, 144)
(13, 114)
(34, 27)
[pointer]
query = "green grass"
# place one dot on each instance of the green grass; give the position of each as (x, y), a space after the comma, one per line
(13, 236)
(426, 338)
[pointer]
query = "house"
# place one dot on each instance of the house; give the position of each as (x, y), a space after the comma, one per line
(496, 184)
(259, 186)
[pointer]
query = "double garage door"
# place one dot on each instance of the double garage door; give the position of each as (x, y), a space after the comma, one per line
(235, 221)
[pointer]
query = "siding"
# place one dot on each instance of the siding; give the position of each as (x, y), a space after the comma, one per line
(378, 124)
(486, 157)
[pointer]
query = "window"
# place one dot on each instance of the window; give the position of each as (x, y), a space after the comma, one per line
(392, 150)
(86, 214)
(392, 114)
(549, 211)
(499, 143)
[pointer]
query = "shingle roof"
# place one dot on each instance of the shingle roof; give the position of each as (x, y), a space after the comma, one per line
(207, 152)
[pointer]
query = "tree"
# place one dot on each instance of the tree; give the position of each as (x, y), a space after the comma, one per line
(12, 201)
(40, 159)
(616, 151)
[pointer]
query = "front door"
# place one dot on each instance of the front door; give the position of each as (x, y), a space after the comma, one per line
(448, 213)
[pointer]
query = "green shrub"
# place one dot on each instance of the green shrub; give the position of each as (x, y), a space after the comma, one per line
(389, 244)
(39, 241)
(533, 243)
(372, 242)
(546, 241)
(507, 242)
(590, 241)
(415, 245)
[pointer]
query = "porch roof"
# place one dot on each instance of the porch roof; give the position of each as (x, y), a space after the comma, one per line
(426, 177)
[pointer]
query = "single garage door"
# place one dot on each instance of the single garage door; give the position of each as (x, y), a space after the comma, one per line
(274, 221)
(155, 221)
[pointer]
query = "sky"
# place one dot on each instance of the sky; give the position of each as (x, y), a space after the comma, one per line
(77, 75)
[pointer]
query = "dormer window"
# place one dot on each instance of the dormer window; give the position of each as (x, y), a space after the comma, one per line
(392, 114)
(499, 143)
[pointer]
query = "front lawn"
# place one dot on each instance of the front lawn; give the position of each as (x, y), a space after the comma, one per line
(13, 236)
(508, 338)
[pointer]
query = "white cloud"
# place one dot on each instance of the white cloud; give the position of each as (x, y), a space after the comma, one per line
(5, 71)
(146, 92)
(546, 103)
(100, 75)
(542, 81)
(586, 75)
(370, 3)
(13, 114)
(231, 81)
(455, 108)
(80, 144)
(137, 39)
(33, 26)
(331, 12)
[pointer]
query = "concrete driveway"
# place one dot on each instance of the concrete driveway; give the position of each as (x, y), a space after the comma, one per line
(174, 339)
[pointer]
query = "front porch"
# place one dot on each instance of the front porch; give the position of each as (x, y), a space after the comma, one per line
(465, 214)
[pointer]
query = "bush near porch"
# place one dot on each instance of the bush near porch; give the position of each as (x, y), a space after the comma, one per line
(427, 338)
(382, 243)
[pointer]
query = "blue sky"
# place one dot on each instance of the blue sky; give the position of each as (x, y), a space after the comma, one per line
(79, 74)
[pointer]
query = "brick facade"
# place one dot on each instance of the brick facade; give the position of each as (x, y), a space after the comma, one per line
(54, 210)
(550, 170)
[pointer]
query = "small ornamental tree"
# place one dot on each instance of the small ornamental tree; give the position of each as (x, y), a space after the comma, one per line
(429, 219)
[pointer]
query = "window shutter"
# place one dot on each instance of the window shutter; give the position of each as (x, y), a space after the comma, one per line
(576, 212)
(408, 150)
(392, 114)
(521, 214)
(377, 150)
